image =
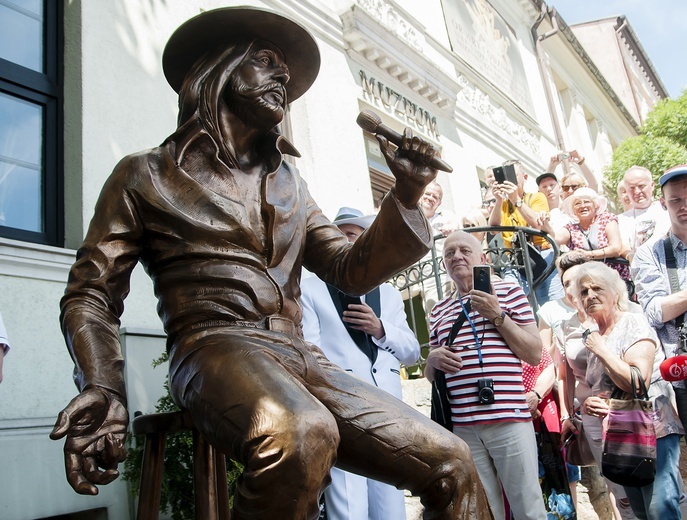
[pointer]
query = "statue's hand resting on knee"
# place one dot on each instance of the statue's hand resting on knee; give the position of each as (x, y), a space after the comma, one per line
(95, 425)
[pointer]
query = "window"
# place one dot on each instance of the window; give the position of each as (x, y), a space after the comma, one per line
(381, 178)
(30, 121)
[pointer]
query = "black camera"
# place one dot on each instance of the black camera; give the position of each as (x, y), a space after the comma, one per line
(485, 391)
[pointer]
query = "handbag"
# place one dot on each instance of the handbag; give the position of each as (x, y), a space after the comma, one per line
(537, 263)
(578, 452)
(629, 440)
(441, 409)
(553, 477)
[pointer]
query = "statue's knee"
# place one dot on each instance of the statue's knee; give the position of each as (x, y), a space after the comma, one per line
(314, 437)
(304, 444)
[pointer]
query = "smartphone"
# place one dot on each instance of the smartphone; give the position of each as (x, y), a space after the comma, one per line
(505, 173)
(481, 278)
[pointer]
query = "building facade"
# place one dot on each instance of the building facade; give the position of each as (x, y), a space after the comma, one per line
(81, 86)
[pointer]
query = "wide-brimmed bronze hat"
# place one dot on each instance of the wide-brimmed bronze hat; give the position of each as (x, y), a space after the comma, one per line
(220, 27)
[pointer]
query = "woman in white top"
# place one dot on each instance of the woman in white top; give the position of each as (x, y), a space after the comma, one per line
(572, 385)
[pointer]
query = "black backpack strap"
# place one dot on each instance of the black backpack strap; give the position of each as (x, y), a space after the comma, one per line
(671, 266)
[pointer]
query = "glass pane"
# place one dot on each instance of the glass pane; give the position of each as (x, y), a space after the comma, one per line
(21, 199)
(21, 32)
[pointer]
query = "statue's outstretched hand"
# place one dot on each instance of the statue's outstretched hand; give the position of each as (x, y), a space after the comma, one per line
(410, 164)
(94, 423)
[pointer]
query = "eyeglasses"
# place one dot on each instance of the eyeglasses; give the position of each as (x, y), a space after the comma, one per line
(488, 203)
(571, 187)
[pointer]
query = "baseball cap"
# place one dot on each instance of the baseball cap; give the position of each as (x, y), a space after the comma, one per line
(546, 176)
(676, 171)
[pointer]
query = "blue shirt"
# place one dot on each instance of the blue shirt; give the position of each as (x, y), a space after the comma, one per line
(652, 284)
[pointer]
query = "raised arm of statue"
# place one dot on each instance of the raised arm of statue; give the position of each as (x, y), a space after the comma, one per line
(410, 164)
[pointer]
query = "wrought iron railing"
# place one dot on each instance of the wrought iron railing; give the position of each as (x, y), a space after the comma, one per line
(426, 282)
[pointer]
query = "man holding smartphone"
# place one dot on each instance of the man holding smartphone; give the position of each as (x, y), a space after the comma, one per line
(514, 207)
(483, 367)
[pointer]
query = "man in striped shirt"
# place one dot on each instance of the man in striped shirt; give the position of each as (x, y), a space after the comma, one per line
(498, 332)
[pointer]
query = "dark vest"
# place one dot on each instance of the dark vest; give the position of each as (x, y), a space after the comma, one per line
(342, 301)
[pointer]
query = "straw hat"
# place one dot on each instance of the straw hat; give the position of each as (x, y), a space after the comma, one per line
(584, 193)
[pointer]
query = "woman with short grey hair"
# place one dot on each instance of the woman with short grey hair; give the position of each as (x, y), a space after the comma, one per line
(617, 341)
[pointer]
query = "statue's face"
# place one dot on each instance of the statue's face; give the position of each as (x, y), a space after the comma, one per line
(255, 92)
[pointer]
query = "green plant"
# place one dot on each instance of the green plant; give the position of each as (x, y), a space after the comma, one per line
(668, 119)
(662, 144)
(652, 152)
(177, 478)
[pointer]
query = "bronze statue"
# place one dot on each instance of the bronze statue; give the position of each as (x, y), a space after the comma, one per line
(223, 225)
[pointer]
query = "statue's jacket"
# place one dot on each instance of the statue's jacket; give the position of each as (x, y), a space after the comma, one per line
(217, 256)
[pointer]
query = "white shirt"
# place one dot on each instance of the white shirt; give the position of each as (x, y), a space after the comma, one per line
(558, 218)
(639, 225)
(4, 342)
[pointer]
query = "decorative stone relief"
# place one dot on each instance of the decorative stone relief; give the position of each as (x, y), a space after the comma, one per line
(385, 14)
(479, 101)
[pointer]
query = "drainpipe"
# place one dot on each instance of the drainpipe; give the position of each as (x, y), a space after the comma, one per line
(618, 37)
(545, 75)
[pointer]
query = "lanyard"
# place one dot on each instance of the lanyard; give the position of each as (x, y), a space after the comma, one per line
(466, 313)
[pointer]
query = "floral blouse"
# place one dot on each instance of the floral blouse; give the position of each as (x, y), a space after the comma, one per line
(581, 239)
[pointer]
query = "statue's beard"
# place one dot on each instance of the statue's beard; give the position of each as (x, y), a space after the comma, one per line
(251, 107)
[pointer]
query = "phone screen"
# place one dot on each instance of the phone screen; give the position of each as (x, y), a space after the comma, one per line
(481, 278)
(499, 175)
(505, 173)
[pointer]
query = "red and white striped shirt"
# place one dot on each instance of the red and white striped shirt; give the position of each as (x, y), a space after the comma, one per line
(499, 363)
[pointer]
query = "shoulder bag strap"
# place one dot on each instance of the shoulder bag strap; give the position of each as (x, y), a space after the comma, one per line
(635, 374)
(458, 323)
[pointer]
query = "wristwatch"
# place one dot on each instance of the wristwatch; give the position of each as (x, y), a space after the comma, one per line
(498, 321)
(518, 204)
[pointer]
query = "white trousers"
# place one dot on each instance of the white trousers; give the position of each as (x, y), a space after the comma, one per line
(352, 497)
(505, 454)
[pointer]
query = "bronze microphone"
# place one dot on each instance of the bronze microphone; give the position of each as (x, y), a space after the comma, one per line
(371, 122)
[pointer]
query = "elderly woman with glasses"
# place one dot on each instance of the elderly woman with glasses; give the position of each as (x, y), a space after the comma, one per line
(619, 340)
(593, 230)
(571, 183)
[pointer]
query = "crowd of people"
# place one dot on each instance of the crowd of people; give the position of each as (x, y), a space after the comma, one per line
(621, 306)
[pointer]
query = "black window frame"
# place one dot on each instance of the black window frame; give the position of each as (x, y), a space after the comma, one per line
(44, 89)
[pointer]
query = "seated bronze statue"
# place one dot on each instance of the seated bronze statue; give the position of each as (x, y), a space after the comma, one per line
(223, 225)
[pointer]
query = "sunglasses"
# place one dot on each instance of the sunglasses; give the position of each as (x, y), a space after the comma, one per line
(571, 187)
(488, 203)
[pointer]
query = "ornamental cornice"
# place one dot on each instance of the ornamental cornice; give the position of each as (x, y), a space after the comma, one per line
(379, 37)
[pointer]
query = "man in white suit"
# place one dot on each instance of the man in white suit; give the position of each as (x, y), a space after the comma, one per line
(369, 338)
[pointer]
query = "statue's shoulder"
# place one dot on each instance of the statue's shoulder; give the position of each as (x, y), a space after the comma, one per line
(143, 164)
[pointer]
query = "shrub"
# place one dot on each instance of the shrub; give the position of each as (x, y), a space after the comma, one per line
(655, 153)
